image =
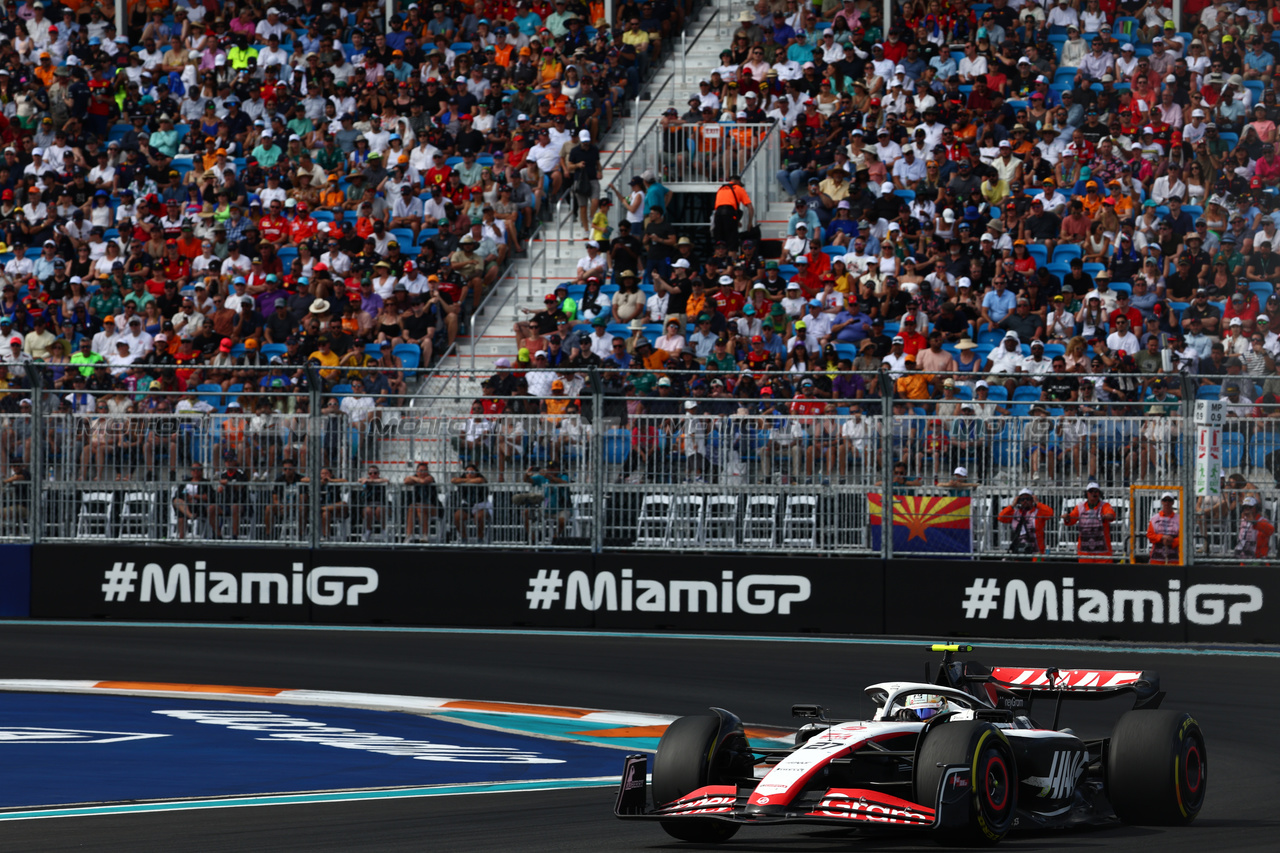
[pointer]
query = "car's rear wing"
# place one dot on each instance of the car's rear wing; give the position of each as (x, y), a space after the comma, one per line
(1030, 682)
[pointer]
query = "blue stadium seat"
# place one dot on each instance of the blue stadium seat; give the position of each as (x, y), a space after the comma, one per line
(1126, 29)
(211, 393)
(617, 446)
(409, 354)
(1064, 252)
(1232, 449)
(1209, 392)
(1039, 252)
(269, 350)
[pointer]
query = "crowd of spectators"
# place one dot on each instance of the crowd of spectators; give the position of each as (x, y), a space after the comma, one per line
(224, 203)
(1062, 211)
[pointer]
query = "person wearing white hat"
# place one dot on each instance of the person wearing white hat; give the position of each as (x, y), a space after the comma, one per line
(1164, 533)
(1253, 538)
(886, 149)
(1093, 518)
(1027, 519)
(584, 174)
(959, 485)
(594, 263)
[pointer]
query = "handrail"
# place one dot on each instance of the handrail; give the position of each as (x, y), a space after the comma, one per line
(539, 232)
(759, 166)
(476, 335)
(686, 46)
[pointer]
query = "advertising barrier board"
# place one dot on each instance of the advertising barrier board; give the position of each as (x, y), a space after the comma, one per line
(15, 581)
(1079, 601)
(646, 591)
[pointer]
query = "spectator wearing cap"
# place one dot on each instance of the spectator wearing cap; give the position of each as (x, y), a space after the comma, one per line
(1259, 64)
(594, 264)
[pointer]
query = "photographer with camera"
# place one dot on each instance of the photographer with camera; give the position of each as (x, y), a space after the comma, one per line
(1028, 518)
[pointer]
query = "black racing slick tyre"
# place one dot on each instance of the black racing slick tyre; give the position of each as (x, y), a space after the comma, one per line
(994, 790)
(686, 761)
(1157, 768)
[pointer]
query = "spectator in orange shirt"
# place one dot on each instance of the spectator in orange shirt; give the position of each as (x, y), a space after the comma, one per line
(1254, 536)
(652, 359)
(188, 243)
(1093, 518)
(1028, 518)
(913, 385)
(1091, 200)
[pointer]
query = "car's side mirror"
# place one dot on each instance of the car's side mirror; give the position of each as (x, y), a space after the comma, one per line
(809, 712)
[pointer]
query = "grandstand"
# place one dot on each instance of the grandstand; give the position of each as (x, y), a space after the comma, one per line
(712, 279)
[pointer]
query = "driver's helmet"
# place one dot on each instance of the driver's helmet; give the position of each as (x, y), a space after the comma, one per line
(926, 705)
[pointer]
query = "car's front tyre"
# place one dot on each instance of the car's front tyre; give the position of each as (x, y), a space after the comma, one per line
(993, 774)
(692, 755)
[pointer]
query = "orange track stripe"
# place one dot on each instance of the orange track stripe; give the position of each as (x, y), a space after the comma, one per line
(539, 710)
(629, 731)
(188, 688)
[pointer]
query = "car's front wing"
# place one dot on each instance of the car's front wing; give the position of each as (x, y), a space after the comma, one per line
(836, 806)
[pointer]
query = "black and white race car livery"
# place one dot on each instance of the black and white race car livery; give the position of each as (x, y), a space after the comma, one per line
(958, 754)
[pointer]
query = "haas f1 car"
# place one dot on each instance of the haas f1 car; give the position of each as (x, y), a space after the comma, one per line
(959, 754)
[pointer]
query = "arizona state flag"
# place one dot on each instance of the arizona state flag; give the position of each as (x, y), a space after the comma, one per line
(924, 525)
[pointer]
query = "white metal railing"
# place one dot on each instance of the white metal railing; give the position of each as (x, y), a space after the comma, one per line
(792, 472)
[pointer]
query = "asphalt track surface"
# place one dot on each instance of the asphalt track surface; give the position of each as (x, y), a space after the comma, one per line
(1234, 698)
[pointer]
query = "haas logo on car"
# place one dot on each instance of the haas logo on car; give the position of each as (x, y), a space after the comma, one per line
(1063, 774)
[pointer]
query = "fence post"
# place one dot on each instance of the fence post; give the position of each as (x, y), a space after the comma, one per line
(315, 451)
(597, 462)
(35, 468)
(886, 451)
(556, 214)
(684, 57)
(1187, 441)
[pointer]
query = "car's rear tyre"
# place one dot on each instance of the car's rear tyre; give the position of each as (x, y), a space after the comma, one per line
(688, 759)
(993, 799)
(1157, 768)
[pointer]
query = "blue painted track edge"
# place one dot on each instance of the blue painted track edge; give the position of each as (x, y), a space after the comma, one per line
(311, 798)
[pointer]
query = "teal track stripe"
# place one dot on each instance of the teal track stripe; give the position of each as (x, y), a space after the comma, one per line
(304, 799)
(1032, 645)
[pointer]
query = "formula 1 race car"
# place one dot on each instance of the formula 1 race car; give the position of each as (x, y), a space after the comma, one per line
(958, 754)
